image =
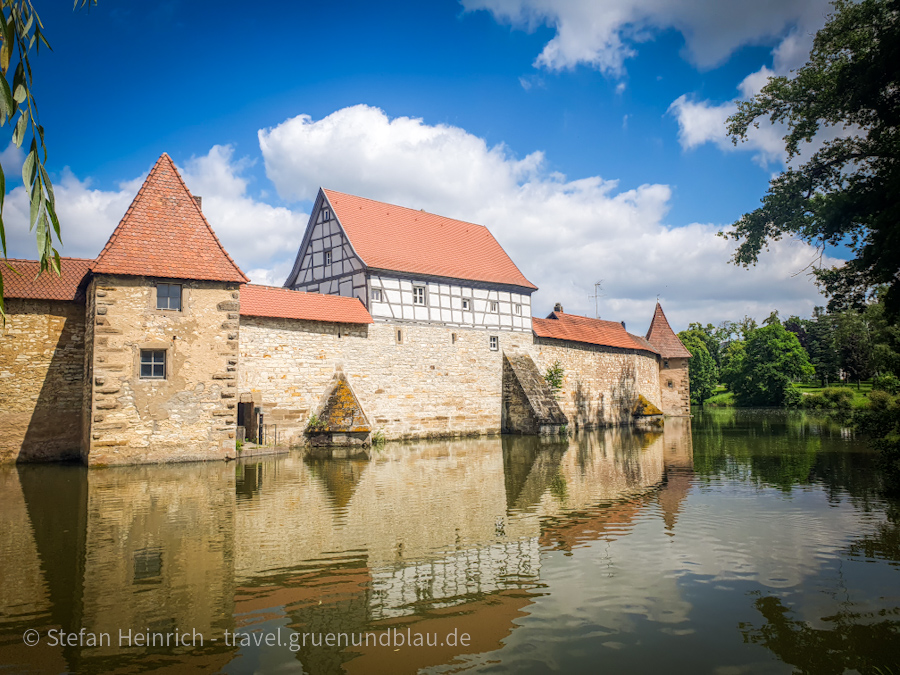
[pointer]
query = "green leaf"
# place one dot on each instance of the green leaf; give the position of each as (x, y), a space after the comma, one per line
(9, 104)
(29, 168)
(21, 128)
(41, 236)
(48, 186)
(55, 221)
(20, 93)
(2, 198)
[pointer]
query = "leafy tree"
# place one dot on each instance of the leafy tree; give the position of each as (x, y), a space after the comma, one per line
(822, 347)
(712, 337)
(20, 32)
(701, 368)
(847, 192)
(772, 359)
(554, 377)
(854, 341)
(732, 364)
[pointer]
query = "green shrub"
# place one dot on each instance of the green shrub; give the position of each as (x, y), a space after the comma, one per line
(815, 401)
(792, 397)
(887, 382)
(838, 397)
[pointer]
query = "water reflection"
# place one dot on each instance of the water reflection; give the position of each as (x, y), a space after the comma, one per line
(538, 550)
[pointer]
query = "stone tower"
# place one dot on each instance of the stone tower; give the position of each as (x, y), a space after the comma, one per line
(674, 380)
(161, 335)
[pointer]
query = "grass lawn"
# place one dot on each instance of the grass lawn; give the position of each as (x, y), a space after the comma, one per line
(723, 398)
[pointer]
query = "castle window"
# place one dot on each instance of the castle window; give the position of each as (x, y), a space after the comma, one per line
(517, 309)
(376, 295)
(418, 295)
(399, 336)
(168, 296)
(495, 343)
(452, 338)
(328, 257)
(465, 304)
(670, 385)
(153, 364)
(665, 363)
(494, 307)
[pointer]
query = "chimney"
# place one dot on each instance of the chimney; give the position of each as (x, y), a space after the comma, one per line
(558, 308)
(199, 201)
(623, 326)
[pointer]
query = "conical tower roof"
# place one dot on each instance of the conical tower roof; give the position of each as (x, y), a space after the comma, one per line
(164, 234)
(663, 338)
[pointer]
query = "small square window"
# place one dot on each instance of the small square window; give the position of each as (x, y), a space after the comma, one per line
(376, 295)
(494, 307)
(517, 309)
(465, 304)
(328, 257)
(669, 384)
(665, 363)
(495, 343)
(168, 296)
(153, 364)
(418, 295)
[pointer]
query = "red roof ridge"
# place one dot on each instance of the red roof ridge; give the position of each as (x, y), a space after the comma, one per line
(420, 242)
(661, 336)
(286, 303)
(102, 265)
(577, 328)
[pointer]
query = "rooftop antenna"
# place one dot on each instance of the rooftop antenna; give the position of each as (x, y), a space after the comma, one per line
(596, 296)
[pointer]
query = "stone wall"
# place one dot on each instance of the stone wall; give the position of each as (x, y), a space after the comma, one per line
(41, 372)
(675, 384)
(600, 384)
(188, 415)
(428, 381)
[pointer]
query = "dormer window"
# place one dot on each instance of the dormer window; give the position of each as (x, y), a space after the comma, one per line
(418, 295)
(168, 296)
(328, 257)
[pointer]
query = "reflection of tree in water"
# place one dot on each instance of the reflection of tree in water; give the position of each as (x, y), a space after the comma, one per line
(855, 642)
(884, 543)
(784, 449)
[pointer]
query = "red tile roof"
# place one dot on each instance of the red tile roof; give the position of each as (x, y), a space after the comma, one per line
(164, 234)
(574, 328)
(283, 303)
(399, 239)
(663, 337)
(28, 285)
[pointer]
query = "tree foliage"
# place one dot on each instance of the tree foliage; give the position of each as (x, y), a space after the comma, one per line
(772, 358)
(702, 367)
(848, 191)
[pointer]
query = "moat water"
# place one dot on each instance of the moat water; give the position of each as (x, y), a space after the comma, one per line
(737, 542)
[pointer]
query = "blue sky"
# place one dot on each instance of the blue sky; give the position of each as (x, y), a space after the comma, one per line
(587, 134)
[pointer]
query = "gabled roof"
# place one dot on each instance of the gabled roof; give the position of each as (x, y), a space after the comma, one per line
(28, 285)
(399, 239)
(164, 234)
(574, 328)
(663, 337)
(283, 303)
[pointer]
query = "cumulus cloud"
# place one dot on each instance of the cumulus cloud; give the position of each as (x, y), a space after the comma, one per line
(563, 234)
(263, 239)
(602, 34)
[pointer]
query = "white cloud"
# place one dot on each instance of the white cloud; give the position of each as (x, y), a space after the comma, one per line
(563, 234)
(604, 33)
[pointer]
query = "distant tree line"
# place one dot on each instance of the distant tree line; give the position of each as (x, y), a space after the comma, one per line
(761, 364)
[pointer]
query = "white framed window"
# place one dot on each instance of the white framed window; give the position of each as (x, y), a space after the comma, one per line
(168, 296)
(153, 364)
(517, 309)
(495, 343)
(328, 257)
(326, 214)
(376, 295)
(495, 307)
(418, 295)
(465, 303)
